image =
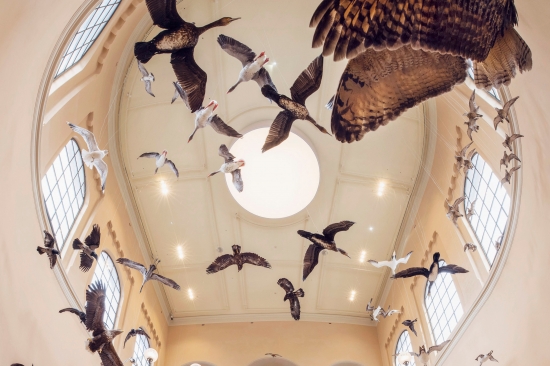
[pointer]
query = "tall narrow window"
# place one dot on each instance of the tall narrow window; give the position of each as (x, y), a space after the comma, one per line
(403, 345)
(492, 206)
(443, 306)
(64, 189)
(105, 272)
(142, 343)
(87, 34)
(493, 91)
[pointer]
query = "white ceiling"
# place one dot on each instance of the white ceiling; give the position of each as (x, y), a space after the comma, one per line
(200, 213)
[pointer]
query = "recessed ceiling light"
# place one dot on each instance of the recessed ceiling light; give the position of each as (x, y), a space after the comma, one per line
(191, 294)
(352, 295)
(163, 188)
(371, 228)
(381, 188)
(363, 256)
(180, 251)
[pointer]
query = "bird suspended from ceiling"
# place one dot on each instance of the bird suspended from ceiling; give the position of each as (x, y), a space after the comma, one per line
(135, 333)
(464, 158)
(321, 242)
(432, 273)
(410, 324)
(146, 77)
(50, 249)
(504, 113)
(292, 296)
(149, 274)
(81, 315)
(231, 166)
(253, 65)
(237, 258)
(307, 83)
(273, 355)
(389, 312)
(471, 211)
(509, 173)
(484, 358)
(161, 160)
(94, 157)
(375, 311)
(453, 211)
(392, 263)
(87, 254)
(470, 246)
(424, 356)
(509, 140)
(178, 38)
(507, 159)
(206, 117)
(473, 115)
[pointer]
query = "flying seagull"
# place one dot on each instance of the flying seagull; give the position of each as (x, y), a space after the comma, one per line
(509, 173)
(231, 166)
(322, 242)
(386, 313)
(87, 254)
(507, 159)
(161, 160)
(101, 341)
(453, 211)
(206, 117)
(503, 114)
(50, 249)
(295, 108)
(472, 115)
(180, 93)
(464, 159)
(273, 355)
(94, 157)
(471, 211)
(470, 247)
(146, 77)
(432, 273)
(410, 324)
(375, 311)
(238, 258)
(81, 315)
(292, 296)
(253, 66)
(484, 358)
(148, 274)
(134, 333)
(392, 263)
(424, 356)
(510, 139)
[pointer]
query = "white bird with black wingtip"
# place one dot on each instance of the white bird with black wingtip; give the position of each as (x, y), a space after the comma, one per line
(161, 160)
(231, 166)
(146, 77)
(206, 117)
(392, 263)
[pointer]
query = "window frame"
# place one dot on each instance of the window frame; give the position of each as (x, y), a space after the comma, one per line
(142, 343)
(107, 283)
(400, 344)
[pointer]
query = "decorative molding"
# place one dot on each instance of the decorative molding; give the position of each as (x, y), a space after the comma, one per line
(394, 327)
(119, 251)
(150, 325)
(456, 171)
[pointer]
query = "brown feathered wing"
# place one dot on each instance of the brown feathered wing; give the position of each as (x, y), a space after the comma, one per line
(220, 263)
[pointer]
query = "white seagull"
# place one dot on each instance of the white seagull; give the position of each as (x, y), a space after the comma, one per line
(146, 77)
(206, 117)
(392, 263)
(161, 161)
(94, 157)
(385, 313)
(179, 92)
(484, 358)
(424, 356)
(375, 311)
(231, 166)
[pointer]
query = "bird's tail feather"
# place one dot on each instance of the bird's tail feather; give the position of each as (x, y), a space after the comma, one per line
(299, 293)
(319, 127)
(144, 51)
(304, 234)
(233, 87)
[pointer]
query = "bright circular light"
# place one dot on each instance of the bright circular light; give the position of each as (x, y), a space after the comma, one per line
(278, 183)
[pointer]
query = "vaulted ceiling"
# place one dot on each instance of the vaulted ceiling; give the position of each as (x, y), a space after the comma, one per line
(200, 214)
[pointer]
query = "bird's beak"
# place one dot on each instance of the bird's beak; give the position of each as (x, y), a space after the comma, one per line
(233, 19)
(262, 54)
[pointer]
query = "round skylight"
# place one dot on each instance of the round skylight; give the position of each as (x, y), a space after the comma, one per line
(278, 183)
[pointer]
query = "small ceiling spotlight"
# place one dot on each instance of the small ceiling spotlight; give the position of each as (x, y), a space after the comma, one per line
(352, 295)
(363, 256)
(371, 228)
(191, 294)
(164, 187)
(180, 252)
(381, 188)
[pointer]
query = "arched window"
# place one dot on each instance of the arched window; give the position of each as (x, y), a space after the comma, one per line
(403, 345)
(64, 189)
(443, 306)
(87, 34)
(492, 205)
(105, 272)
(142, 343)
(493, 92)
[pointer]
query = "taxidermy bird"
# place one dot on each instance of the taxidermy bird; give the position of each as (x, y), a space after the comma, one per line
(179, 93)
(410, 324)
(94, 157)
(206, 117)
(471, 247)
(322, 242)
(50, 249)
(292, 296)
(101, 341)
(149, 274)
(498, 243)
(509, 173)
(504, 113)
(146, 77)
(307, 83)
(472, 115)
(471, 211)
(377, 87)
(161, 160)
(87, 254)
(237, 258)
(253, 66)
(178, 38)
(392, 263)
(231, 166)
(483, 33)
(509, 140)
(134, 333)
(386, 313)
(464, 158)
(453, 211)
(431, 273)
(507, 159)
(273, 355)
(81, 315)
(484, 358)
(424, 356)
(375, 311)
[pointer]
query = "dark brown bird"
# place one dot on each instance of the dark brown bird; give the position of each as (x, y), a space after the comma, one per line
(101, 341)
(481, 32)
(507, 159)
(292, 296)
(50, 249)
(509, 140)
(81, 315)
(377, 87)
(273, 355)
(179, 38)
(508, 174)
(307, 83)
(322, 242)
(149, 274)
(410, 324)
(87, 254)
(453, 211)
(237, 258)
(134, 333)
